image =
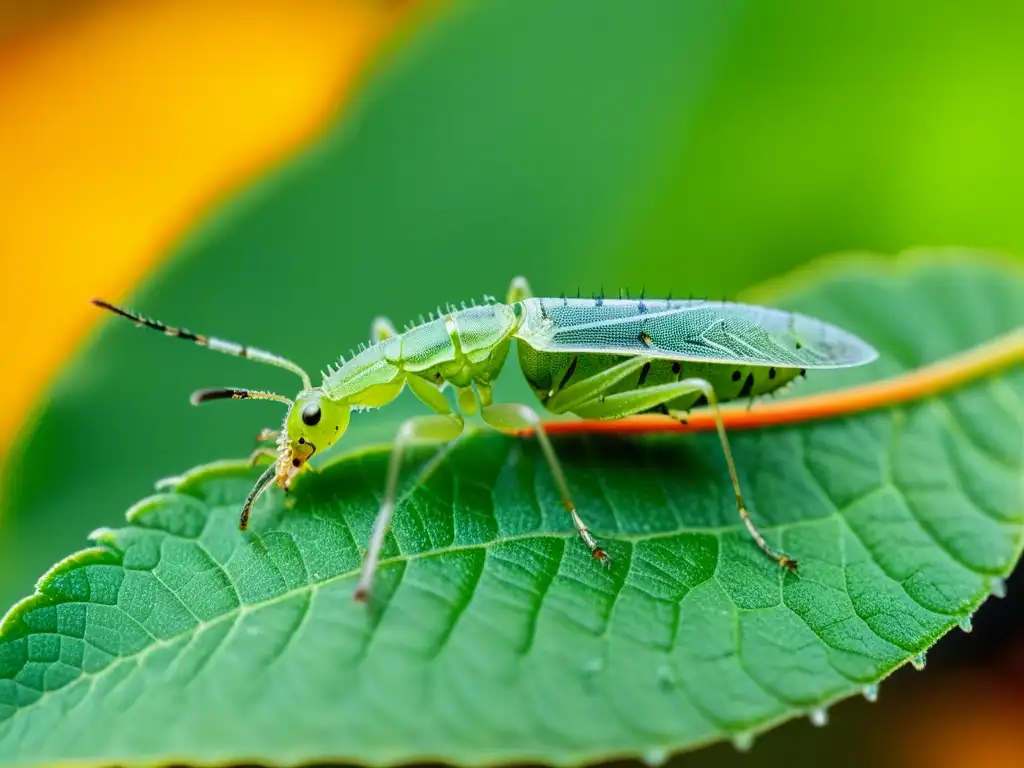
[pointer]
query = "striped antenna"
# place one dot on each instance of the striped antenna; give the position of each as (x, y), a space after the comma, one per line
(232, 393)
(219, 345)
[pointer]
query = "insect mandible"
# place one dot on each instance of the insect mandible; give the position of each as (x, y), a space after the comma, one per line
(595, 358)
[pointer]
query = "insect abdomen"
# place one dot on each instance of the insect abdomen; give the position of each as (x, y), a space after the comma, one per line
(551, 372)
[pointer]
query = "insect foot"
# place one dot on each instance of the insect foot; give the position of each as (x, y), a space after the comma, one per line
(788, 563)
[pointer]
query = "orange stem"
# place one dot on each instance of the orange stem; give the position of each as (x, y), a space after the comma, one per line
(990, 357)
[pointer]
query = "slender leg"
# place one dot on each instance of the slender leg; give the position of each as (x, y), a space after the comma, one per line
(467, 401)
(627, 403)
(518, 290)
(514, 416)
(436, 428)
(568, 399)
(381, 329)
(443, 427)
(262, 453)
(268, 435)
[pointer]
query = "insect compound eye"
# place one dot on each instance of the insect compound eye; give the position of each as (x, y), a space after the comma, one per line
(311, 415)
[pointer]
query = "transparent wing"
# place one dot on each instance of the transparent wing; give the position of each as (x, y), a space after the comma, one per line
(709, 331)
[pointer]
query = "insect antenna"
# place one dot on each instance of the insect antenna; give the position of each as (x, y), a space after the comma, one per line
(218, 345)
(231, 393)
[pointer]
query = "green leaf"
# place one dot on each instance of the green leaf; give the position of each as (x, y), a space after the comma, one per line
(494, 635)
(694, 147)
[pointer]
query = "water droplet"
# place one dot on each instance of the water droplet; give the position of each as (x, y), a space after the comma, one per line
(655, 756)
(666, 677)
(918, 660)
(998, 588)
(818, 717)
(965, 623)
(743, 741)
(593, 667)
(870, 692)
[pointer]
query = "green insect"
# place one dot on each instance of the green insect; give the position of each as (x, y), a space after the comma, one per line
(596, 358)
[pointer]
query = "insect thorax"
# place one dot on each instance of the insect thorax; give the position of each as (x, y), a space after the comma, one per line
(459, 347)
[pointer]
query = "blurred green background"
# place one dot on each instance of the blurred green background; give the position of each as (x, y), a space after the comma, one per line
(697, 147)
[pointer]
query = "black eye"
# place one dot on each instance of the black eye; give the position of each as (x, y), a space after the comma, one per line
(311, 415)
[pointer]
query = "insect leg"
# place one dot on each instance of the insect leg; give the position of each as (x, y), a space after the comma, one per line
(518, 290)
(419, 429)
(381, 329)
(267, 435)
(566, 400)
(513, 416)
(441, 428)
(627, 403)
(262, 453)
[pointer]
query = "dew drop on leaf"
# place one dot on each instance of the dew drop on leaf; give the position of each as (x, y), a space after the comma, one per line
(918, 660)
(655, 757)
(998, 588)
(743, 741)
(870, 692)
(965, 623)
(666, 678)
(819, 717)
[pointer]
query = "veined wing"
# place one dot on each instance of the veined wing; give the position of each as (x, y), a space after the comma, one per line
(707, 331)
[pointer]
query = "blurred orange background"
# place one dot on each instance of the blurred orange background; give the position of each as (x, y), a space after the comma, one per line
(124, 121)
